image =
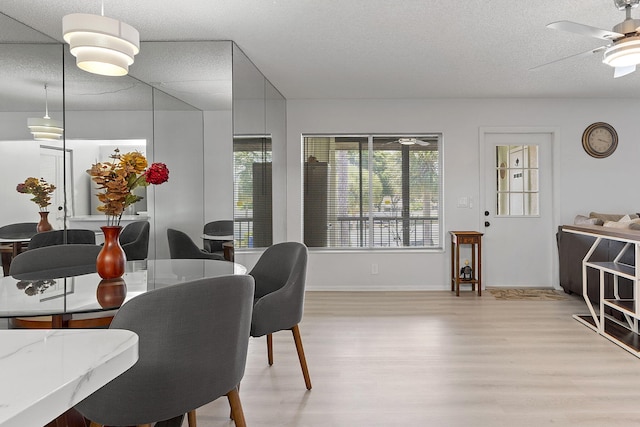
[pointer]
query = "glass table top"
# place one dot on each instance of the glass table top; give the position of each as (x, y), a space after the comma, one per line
(80, 291)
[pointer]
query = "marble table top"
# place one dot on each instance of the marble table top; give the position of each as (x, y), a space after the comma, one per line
(46, 372)
(217, 237)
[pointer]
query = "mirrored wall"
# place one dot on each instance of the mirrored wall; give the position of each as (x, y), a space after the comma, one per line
(182, 104)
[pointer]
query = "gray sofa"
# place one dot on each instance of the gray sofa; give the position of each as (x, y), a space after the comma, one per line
(572, 248)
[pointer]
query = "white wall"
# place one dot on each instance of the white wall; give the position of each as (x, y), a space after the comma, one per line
(581, 183)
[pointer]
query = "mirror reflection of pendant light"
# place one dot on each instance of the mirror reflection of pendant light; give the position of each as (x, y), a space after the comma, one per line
(46, 128)
(101, 45)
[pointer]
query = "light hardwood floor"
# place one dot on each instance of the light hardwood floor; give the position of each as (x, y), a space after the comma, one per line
(431, 359)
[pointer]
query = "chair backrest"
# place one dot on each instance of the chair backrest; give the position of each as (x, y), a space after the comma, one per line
(18, 230)
(134, 239)
(193, 340)
(57, 237)
(217, 228)
(182, 247)
(55, 261)
(282, 264)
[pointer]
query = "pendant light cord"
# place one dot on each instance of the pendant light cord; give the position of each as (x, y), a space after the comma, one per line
(46, 103)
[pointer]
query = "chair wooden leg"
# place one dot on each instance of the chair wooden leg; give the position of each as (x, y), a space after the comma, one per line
(236, 408)
(270, 348)
(191, 418)
(303, 360)
(95, 424)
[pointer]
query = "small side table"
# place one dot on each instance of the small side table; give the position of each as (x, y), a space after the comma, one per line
(474, 239)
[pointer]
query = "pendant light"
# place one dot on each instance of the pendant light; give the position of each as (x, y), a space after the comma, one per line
(46, 128)
(100, 44)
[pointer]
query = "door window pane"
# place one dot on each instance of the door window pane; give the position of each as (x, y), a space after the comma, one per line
(517, 180)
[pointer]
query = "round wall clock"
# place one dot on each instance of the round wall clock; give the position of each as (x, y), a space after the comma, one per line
(600, 140)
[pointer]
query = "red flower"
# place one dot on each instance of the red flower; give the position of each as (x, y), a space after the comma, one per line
(157, 173)
(21, 188)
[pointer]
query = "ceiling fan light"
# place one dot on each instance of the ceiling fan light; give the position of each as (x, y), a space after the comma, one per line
(623, 54)
(407, 141)
(100, 44)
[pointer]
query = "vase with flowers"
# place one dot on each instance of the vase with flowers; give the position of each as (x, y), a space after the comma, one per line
(116, 181)
(41, 191)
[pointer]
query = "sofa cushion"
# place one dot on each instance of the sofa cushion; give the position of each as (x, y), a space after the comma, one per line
(611, 217)
(624, 222)
(583, 220)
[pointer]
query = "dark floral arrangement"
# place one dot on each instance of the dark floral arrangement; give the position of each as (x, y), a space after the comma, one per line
(40, 189)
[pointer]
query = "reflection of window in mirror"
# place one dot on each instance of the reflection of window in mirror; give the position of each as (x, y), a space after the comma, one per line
(252, 194)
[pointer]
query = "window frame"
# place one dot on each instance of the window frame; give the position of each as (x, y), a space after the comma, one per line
(438, 220)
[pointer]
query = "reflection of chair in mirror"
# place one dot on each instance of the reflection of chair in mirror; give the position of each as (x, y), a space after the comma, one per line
(217, 228)
(50, 262)
(280, 276)
(134, 239)
(57, 237)
(182, 247)
(21, 230)
(193, 341)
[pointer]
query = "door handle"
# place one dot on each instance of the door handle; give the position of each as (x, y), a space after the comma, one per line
(486, 213)
(487, 223)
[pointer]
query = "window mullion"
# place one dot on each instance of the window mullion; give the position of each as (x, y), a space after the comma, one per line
(370, 189)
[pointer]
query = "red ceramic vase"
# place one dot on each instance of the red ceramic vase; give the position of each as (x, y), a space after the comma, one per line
(111, 259)
(111, 293)
(43, 225)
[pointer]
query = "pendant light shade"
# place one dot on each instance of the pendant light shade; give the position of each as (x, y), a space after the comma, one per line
(45, 128)
(101, 45)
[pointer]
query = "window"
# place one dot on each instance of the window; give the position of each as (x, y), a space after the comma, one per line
(517, 178)
(372, 191)
(252, 214)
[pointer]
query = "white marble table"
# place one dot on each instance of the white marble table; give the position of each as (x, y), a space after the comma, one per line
(223, 237)
(46, 372)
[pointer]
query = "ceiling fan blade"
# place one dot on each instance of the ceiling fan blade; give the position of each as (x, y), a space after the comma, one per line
(623, 71)
(585, 30)
(577, 55)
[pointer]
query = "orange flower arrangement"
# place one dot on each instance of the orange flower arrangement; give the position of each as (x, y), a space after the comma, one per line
(40, 189)
(117, 179)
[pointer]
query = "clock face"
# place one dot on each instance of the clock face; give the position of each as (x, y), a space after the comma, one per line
(600, 140)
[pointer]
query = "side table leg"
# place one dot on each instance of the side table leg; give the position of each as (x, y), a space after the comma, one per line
(479, 268)
(453, 266)
(456, 272)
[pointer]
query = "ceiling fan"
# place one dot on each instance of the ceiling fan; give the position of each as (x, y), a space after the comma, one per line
(623, 50)
(411, 140)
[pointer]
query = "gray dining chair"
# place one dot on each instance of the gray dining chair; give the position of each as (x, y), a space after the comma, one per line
(134, 239)
(182, 247)
(193, 340)
(217, 228)
(20, 230)
(74, 236)
(280, 276)
(51, 262)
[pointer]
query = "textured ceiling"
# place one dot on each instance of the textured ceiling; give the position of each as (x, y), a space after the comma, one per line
(380, 48)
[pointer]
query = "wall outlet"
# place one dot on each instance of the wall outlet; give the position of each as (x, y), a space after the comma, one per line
(374, 268)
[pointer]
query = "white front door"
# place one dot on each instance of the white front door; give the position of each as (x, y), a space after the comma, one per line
(519, 241)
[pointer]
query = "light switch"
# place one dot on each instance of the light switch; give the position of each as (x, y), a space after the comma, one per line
(463, 202)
